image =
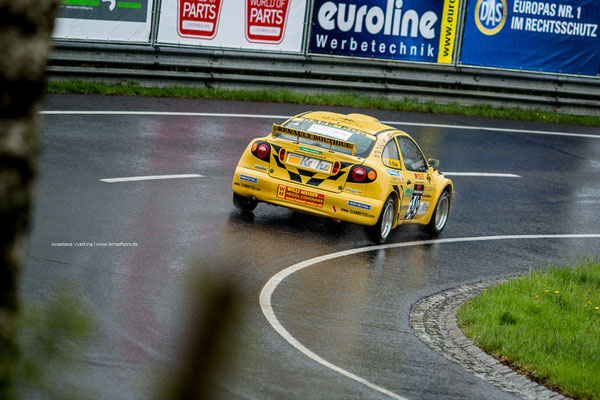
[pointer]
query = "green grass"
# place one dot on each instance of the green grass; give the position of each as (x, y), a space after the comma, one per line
(545, 324)
(350, 99)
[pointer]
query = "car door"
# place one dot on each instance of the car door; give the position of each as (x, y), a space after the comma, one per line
(390, 157)
(419, 189)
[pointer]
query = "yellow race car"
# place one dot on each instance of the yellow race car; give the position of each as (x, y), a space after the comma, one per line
(346, 167)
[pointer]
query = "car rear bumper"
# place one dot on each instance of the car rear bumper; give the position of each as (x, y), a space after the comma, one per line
(343, 206)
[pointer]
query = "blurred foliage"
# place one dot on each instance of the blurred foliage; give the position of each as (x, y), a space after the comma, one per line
(52, 338)
(25, 30)
(213, 320)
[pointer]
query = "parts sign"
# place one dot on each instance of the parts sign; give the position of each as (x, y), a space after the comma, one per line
(198, 18)
(258, 25)
(266, 20)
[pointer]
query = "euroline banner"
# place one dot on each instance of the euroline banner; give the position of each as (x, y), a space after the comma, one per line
(106, 20)
(551, 36)
(411, 30)
(276, 25)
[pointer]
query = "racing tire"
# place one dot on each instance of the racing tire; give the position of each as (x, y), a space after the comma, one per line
(245, 204)
(381, 231)
(440, 215)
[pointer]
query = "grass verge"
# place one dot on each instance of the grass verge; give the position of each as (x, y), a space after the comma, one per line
(350, 99)
(545, 324)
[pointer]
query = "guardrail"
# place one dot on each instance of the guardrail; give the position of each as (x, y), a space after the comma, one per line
(169, 66)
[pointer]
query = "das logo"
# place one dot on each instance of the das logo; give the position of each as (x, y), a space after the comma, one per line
(266, 20)
(198, 18)
(490, 16)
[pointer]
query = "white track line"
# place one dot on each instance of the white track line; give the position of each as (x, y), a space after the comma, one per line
(263, 116)
(150, 178)
(482, 174)
(163, 113)
(493, 129)
(266, 293)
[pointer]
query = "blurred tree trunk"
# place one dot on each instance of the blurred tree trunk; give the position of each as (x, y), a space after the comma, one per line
(25, 29)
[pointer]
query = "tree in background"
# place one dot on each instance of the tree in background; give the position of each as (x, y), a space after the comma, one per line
(25, 30)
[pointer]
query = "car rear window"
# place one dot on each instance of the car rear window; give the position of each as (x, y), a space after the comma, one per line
(364, 144)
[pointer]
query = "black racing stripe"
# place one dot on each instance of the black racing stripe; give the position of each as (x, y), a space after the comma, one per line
(279, 163)
(276, 148)
(346, 165)
(315, 181)
(306, 173)
(337, 176)
(295, 177)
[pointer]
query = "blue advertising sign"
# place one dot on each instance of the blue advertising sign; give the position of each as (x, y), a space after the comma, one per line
(412, 30)
(551, 36)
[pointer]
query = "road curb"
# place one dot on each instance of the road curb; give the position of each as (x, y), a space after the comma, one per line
(433, 319)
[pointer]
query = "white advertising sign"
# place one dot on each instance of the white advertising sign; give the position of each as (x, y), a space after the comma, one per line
(110, 20)
(239, 24)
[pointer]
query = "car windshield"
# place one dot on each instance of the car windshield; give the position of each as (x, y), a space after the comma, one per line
(364, 144)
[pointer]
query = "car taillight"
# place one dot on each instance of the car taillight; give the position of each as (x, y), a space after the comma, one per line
(336, 167)
(281, 154)
(362, 174)
(261, 150)
(359, 174)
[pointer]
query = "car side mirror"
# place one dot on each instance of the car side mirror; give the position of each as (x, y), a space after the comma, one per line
(433, 163)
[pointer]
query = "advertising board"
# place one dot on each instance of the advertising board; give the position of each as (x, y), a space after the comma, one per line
(411, 30)
(541, 35)
(105, 20)
(276, 25)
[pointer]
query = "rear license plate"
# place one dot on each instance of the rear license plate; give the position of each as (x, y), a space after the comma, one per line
(309, 163)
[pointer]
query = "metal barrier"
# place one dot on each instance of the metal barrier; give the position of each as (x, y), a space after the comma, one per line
(170, 66)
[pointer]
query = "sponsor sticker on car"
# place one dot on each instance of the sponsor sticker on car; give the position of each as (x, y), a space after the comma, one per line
(391, 163)
(356, 204)
(247, 178)
(330, 131)
(311, 151)
(395, 174)
(300, 196)
(278, 129)
(415, 202)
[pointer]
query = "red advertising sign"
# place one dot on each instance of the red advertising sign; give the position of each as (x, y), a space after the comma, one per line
(198, 18)
(266, 20)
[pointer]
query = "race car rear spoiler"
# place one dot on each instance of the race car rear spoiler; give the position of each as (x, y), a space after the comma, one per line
(311, 136)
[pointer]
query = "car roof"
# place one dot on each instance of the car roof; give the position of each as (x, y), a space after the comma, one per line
(357, 122)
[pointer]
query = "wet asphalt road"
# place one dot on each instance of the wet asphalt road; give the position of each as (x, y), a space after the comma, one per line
(352, 311)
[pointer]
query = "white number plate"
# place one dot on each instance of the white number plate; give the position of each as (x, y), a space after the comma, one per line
(309, 163)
